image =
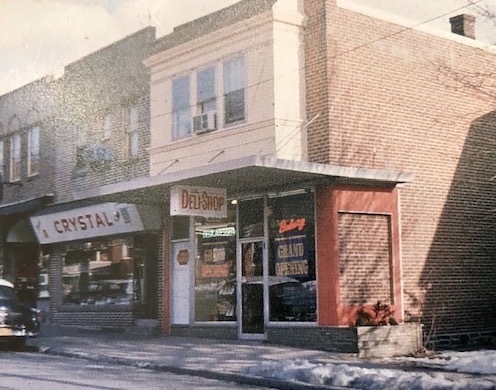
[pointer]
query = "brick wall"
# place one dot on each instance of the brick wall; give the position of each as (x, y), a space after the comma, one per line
(364, 259)
(402, 99)
(106, 82)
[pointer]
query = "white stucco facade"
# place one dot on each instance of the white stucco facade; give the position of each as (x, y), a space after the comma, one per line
(273, 125)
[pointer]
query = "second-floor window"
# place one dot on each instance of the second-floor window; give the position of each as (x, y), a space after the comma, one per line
(133, 131)
(234, 90)
(34, 151)
(181, 109)
(209, 98)
(15, 158)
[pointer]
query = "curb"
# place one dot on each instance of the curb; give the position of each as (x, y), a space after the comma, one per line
(223, 376)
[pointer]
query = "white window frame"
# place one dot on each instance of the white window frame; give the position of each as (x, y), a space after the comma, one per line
(15, 157)
(34, 151)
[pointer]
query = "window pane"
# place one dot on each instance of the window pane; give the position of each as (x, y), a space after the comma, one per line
(205, 84)
(181, 120)
(180, 92)
(234, 74)
(215, 287)
(251, 218)
(234, 103)
(34, 150)
(181, 112)
(100, 273)
(15, 159)
(234, 94)
(292, 287)
(133, 143)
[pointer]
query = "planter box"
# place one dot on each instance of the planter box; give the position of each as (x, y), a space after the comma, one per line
(386, 341)
(365, 341)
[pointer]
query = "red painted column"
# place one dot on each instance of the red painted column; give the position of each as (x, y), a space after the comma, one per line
(330, 201)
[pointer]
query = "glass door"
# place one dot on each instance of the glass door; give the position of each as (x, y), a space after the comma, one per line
(251, 288)
(251, 270)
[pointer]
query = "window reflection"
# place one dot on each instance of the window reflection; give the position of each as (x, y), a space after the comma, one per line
(215, 268)
(102, 273)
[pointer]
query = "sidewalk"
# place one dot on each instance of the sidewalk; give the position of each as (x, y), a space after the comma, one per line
(216, 359)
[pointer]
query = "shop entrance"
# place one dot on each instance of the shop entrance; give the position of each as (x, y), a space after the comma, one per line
(252, 270)
(251, 285)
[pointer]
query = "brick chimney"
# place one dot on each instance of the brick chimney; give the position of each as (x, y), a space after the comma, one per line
(463, 24)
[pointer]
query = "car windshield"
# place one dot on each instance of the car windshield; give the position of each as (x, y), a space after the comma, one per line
(7, 293)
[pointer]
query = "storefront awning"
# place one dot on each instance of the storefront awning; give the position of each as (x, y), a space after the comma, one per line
(25, 206)
(245, 175)
(70, 222)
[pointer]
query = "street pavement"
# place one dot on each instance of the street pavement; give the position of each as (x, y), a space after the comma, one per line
(209, 358)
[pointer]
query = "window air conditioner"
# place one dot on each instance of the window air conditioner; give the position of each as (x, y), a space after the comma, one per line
(205, 122)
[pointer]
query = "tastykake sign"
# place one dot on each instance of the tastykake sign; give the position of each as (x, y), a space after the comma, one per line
(81, 223)
(198, 201)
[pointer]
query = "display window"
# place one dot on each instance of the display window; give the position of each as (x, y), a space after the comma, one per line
(106, 272)
(287, 222)
(291, 257)
(215, 271)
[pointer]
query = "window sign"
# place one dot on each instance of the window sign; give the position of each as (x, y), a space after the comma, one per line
(291, 255)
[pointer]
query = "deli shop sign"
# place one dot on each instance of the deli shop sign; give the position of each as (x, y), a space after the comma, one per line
(81, 223)
(198, 201)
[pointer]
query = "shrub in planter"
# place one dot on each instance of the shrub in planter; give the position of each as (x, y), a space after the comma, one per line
(381, 315)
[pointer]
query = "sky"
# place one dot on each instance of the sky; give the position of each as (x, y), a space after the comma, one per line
(40, 37)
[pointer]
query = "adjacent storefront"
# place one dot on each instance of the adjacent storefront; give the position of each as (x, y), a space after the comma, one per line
(103, 262)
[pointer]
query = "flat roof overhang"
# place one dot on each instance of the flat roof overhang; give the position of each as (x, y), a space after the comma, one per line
(25, 206)
(247, 175)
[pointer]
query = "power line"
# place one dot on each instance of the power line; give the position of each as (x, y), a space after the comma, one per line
(406, 29)
(258, 83)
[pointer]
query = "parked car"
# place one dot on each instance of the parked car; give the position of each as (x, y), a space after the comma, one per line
(18, 322)
(289, 300)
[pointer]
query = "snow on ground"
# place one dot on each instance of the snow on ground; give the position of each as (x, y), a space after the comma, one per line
(475, 362)
(372, 378)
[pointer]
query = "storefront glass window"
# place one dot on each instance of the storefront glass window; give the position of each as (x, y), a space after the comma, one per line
(251, 218)
(102, 273)
(292, 280)
(215, 271)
